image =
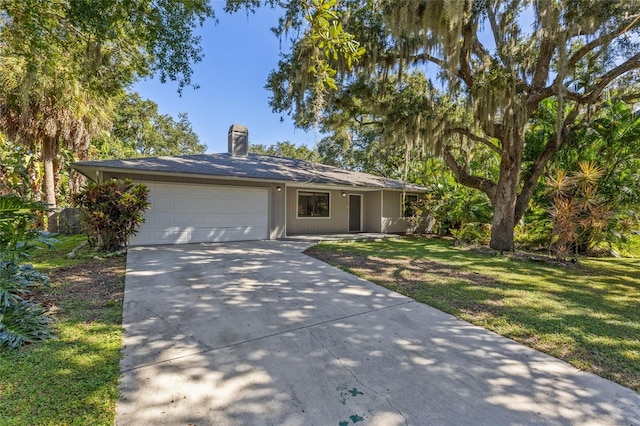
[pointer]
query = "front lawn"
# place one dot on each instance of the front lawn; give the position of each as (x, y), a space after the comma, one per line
(71, 380)
(587, 314)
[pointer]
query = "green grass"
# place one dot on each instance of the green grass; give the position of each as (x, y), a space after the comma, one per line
(70, 380)
(587, 314)
(46, 258)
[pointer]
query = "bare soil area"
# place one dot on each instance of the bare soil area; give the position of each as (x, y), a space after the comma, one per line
(90, 286)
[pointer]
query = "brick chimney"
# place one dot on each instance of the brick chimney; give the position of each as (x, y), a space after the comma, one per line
(238, 141)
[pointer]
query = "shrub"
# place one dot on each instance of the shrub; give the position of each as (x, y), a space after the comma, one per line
(419, 219)
(113, 211)
(449, 206)
(582, 215)
(21, 321)
(472, 233)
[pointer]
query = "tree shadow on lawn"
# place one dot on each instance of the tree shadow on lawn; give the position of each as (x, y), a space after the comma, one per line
(595, 327)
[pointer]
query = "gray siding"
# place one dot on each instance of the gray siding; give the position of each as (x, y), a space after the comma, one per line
(338, 222)
(277, 213)
(372, 211)
(392, 220)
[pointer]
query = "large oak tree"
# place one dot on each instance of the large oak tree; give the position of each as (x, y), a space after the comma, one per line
(492, 62)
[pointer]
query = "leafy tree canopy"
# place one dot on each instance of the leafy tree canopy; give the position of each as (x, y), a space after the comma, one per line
(139, 130)
(107, 43)
(287, 150)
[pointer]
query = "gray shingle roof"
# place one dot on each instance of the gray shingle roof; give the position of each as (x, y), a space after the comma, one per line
(252, 167)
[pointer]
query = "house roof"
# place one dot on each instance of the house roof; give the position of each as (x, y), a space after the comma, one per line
(251, 167)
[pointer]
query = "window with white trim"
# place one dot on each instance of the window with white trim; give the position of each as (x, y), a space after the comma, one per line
(313, 204)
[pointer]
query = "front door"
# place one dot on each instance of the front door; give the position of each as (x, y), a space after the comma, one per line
(355, 213)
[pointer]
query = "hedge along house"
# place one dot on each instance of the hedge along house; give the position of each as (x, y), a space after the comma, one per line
(241, 196)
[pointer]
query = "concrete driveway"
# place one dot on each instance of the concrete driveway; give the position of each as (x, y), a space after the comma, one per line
(257, 333)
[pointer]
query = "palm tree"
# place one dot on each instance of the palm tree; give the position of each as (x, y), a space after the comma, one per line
(47, 112)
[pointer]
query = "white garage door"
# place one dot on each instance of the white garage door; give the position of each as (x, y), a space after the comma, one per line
(181, 214)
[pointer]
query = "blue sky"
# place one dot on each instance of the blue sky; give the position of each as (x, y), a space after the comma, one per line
(240, 51)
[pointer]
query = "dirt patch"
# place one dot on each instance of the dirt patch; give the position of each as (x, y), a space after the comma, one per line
(89, 287)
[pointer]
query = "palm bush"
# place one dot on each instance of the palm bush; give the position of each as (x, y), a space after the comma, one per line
(21, 320)
(580, 213)
(449, 207)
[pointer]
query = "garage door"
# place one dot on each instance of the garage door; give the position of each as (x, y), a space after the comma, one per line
(181, 214)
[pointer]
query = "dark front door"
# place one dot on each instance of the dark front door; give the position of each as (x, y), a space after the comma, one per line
(355, 213)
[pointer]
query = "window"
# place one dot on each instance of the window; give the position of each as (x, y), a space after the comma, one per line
(408, 207)
(313, 204)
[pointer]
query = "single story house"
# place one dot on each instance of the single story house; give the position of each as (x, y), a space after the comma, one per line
(241, 196)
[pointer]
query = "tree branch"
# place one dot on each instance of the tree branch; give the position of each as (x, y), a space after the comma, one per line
(497, 36)
(537, 167)
(628, 98)
(465, 54)
(464, 178)
(366, 123)
(541, 73)
(539, 93)
(628, 65)
(482, 53)
(423, 57)
(480, 139)
(600, 41)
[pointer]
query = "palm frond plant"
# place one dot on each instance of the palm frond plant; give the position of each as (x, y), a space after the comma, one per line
(21, 320)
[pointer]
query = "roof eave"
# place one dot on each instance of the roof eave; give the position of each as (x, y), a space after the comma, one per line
(93, 172)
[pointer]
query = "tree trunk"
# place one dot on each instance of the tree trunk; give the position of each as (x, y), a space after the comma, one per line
(48, 156)
(506, 195)
(502, 226)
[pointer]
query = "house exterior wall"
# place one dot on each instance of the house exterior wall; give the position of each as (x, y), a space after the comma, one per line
(381, 209)
(277, 212)
(276, 199)
(372, 206)
(338, 222)
(392, 220)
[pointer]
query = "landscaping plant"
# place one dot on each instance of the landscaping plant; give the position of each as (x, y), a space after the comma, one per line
(581, 206)
(113, 211)
(582, 216)
(21, 321)
(452, 209)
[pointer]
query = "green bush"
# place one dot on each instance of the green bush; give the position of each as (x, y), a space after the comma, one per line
(449, 206)
(113, 211)
(535, 231)
(21, 321)
(472, 233)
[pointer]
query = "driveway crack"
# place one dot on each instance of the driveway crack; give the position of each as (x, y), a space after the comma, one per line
(344, 367)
